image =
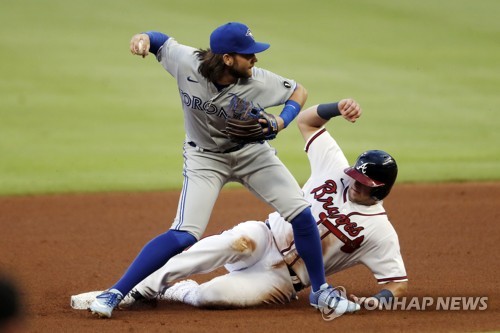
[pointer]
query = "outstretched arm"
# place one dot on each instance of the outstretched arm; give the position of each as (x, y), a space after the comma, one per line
(143, 43)
(315, 117)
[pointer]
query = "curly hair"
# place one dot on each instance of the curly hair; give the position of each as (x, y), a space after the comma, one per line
(212, 66)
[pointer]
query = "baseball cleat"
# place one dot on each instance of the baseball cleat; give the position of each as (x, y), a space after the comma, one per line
(330, 298)
(135, 297)
(104, 303)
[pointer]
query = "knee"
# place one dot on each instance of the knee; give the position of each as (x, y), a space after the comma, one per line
(182, 238)
(244, 245)
(251, 245)
(249, 237)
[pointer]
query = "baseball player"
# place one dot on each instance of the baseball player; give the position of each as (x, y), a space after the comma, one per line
(213, 84)
(347, 205)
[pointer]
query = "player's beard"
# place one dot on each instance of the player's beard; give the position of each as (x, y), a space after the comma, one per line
(237, 74)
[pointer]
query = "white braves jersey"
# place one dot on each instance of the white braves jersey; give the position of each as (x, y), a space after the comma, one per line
(206, 108)
(351, 233)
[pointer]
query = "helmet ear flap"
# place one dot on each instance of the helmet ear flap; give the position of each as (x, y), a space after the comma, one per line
(380, 193)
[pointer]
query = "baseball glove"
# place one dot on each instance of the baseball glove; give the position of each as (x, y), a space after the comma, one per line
(244, 125)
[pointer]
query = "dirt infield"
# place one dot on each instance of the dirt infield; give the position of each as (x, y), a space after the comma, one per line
(60, 245)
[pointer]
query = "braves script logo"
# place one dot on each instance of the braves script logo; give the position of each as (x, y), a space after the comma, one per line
(331, 212)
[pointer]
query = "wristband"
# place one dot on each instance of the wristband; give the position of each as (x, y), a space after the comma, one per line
(384, 295)
(328, 111)
(290, 111)
(156, 40)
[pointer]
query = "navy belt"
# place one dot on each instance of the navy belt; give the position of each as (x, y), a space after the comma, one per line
(230, 150)
(297, 284)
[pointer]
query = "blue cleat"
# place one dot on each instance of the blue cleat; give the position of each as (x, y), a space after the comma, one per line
(330, 299)
(105, 303)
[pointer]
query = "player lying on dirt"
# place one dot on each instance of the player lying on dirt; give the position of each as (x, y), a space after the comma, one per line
(261, 259)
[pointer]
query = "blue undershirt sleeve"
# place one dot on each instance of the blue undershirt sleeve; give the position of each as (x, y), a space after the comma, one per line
(290, 111)
(156, 40)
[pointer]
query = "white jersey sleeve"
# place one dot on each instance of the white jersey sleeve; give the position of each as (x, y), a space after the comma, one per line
(383, 255)
(324, 154)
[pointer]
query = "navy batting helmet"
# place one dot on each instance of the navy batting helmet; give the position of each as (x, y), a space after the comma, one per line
(377, 169)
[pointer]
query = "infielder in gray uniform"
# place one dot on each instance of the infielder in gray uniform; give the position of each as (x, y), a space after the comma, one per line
(213, 85)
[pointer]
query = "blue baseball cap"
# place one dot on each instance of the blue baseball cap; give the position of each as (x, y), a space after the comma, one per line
(234, 37)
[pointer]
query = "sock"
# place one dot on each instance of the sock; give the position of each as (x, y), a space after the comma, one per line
(308, 244)
(191, 297)
(184, 291)
(153, 256)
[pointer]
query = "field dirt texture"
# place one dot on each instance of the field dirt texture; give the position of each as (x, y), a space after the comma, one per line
(59, 245)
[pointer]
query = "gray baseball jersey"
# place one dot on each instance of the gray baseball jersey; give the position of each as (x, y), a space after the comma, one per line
(206, 108)
(206, 167)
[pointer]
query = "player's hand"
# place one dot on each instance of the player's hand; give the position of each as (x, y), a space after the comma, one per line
(264, 122)
(139, 45)
(366, 302)
(350, 109)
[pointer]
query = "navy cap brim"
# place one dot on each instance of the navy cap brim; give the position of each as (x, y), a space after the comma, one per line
(353, 173)
(255, 48)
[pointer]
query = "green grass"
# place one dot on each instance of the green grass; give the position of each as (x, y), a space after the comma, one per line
(79, 113)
